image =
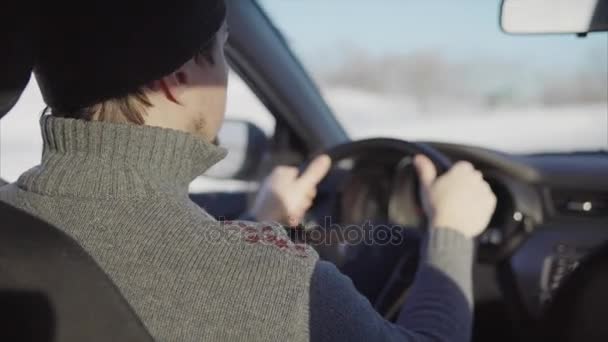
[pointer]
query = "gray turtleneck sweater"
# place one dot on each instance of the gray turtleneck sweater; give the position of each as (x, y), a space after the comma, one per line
(122, 192)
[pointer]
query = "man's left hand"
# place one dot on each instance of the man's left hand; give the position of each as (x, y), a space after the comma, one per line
(284, 197)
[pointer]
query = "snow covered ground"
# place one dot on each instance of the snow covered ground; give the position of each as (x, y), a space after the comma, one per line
(366, 115)
(516, 130)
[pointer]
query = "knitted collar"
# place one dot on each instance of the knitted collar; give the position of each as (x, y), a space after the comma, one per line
(99, 159)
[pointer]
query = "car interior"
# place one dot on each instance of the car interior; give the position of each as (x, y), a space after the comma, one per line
(542, 264)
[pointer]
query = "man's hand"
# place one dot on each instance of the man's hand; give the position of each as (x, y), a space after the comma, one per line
(460, 199)
(284, 197)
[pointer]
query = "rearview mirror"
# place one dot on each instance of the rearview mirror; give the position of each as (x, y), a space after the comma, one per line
(554, 16)
(247, 145)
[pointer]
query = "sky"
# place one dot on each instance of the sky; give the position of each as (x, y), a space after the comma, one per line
(320, 29)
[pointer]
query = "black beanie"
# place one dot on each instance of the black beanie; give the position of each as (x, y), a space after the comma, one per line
(93, 50)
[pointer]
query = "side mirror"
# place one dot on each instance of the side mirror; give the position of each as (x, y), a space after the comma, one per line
(554, 16)
(247, 145)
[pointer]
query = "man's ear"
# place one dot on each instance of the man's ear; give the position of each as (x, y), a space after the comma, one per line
(171, 84)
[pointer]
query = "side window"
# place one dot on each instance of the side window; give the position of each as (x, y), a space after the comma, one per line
(21, 144)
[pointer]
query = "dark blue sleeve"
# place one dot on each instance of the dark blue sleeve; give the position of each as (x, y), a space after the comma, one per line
(438, 307)
(247, 217)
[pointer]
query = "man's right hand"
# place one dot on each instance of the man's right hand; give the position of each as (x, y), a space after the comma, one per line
(460, 199)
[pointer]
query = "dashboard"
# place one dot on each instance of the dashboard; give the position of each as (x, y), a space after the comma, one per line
(552, 211)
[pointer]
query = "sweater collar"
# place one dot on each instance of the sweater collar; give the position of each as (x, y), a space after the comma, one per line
(91, 159)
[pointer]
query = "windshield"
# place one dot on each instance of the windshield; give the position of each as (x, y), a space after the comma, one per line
(444, 71)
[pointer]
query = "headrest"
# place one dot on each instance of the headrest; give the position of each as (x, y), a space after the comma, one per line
(16, 59)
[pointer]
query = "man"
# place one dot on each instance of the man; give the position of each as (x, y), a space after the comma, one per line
(136, 92)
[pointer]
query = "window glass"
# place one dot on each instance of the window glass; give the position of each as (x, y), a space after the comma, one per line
(444, 71)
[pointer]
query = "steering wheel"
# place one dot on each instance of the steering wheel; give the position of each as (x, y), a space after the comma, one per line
(374, 180)
(352, 149)
(403, 198)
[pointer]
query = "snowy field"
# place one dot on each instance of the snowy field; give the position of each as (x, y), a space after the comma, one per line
(516, 130)
(366, 115)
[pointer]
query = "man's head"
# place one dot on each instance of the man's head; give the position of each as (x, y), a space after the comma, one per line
(154, 63)
(193, 97)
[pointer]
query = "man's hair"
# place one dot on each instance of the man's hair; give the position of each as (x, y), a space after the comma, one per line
(131, 107)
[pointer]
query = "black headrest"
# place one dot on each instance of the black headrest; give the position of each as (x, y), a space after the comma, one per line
(16, 59)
